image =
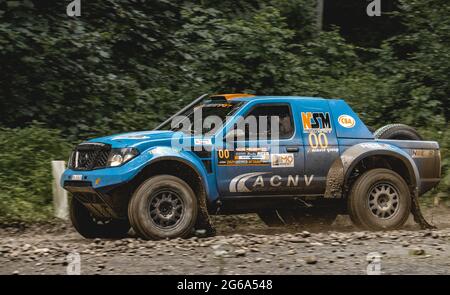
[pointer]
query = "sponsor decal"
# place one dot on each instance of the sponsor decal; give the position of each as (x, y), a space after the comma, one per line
(316, 122)
(422, 153)
(247, 182)
(282, 160)
(202, 141)
(323, 150)
(308, 180)
(346, 121)
(375, 145)
(249, 156)
(318, 142)
(237, 184)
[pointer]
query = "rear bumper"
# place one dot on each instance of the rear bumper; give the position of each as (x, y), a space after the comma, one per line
(429, 166)
(428, 184)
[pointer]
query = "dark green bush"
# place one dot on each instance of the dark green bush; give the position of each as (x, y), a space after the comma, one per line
(25, 172)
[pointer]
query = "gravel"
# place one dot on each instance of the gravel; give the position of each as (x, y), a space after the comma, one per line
(243, 246)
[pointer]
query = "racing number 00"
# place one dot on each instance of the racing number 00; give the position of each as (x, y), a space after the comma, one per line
(224, 154)
(316, 140)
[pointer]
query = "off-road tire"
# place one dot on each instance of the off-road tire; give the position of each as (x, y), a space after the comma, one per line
(155, 192)
(91, 227)
(366, 212)
(397, 131)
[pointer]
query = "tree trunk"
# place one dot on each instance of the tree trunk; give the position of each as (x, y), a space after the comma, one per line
(319, 14)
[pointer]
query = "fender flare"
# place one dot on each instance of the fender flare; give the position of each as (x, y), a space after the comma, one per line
(341, 169)
(201, 174)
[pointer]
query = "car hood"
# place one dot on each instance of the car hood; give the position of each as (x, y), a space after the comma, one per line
(141, 140)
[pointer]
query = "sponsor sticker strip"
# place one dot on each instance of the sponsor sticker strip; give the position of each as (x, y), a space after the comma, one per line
(244, 157)
(255, 181)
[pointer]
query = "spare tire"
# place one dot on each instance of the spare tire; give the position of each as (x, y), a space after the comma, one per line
(397, 131)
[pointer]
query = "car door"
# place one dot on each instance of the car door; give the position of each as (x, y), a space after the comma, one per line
(262, 163)
(319, 140)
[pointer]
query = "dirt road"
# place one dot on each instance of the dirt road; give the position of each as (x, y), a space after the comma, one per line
(243, 245)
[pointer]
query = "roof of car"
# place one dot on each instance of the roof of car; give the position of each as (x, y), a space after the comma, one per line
(231, 96)
(250, 97)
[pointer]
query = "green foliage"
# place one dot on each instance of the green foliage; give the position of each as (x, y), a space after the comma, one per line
(239, 54)
(74, 74)
(417, 61)
(26, 177)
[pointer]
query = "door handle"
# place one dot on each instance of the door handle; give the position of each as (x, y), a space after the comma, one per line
(292, 149)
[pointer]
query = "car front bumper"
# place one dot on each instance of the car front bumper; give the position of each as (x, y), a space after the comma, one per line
(100, 179)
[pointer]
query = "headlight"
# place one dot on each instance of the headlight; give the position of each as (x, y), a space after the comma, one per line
(119, 157)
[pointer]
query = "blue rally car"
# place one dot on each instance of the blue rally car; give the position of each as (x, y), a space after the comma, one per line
(323, 161)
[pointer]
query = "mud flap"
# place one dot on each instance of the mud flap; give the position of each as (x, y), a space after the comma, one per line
(203, 219)
(417, 214)
(335, 180)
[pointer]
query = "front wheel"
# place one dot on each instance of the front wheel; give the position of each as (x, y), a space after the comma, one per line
(379, 200)
(164, 206)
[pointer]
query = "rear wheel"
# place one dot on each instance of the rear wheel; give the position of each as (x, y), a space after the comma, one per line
(91, 227)
(379, 200)
(164, 206)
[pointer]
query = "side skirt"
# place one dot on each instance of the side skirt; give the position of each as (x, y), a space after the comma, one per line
(251, 204)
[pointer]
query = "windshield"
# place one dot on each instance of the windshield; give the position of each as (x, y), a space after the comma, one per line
(204, 118)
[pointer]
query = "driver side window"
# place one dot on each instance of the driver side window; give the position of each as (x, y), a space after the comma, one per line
(268, 122)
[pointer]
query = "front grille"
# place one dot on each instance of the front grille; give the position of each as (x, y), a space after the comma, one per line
(89, 156)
